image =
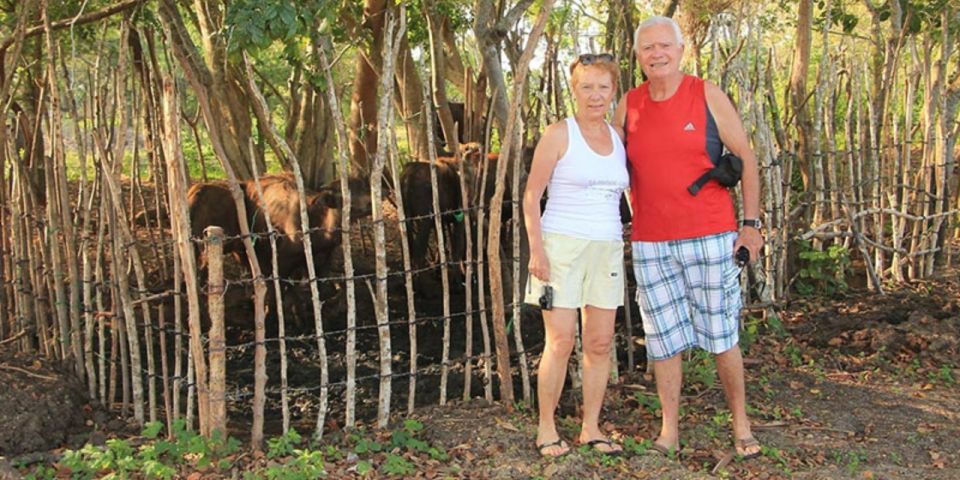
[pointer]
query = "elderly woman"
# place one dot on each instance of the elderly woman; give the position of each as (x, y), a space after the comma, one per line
(684, 242)
(576, 248)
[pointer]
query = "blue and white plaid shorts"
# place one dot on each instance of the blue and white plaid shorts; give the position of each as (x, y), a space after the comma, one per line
(689, 294)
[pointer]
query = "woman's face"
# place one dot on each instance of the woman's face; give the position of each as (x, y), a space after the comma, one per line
(659, 52)
(593, 91)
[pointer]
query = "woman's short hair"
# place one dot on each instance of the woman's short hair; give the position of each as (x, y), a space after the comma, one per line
(652, 22)
(609, 66)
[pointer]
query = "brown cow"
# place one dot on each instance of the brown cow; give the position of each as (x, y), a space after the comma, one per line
(211, 204)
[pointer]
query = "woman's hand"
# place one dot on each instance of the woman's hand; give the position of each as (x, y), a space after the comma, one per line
(539, 266)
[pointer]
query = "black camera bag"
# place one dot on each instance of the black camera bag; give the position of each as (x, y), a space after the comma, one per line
(727, 172)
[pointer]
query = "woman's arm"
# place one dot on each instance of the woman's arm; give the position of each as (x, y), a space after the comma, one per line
(552, 146)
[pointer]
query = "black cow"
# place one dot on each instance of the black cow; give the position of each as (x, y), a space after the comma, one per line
(417, 191)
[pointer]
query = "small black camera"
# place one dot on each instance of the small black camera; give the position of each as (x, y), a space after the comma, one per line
(743, 256)
(546, 298)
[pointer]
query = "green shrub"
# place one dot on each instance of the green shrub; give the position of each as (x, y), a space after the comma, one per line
(822, 271)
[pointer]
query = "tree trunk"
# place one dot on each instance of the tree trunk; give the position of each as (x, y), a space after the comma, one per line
(363, 101)
(411, 102)
(488, 40)
(798, 93)
(450, 133)
(385, 125)
(215, 80)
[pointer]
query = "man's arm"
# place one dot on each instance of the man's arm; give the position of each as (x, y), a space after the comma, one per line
(734, 137)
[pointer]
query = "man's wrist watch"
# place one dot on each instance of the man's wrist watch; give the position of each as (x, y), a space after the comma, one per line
(751, 222)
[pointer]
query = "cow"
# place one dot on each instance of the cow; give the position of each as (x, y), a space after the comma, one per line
(418, 204)
(212, 204)
(417, 191)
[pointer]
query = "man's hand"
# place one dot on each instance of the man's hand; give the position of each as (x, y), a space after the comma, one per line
(748, 237)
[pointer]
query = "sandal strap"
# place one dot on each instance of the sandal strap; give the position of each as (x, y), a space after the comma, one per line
(599, 441)
(747, 442)
(556, 443)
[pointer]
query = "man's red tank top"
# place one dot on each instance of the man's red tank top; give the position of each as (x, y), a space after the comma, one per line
(669, 145)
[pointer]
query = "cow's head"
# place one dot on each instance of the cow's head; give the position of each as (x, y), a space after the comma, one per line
(323, 209)
(361, 202)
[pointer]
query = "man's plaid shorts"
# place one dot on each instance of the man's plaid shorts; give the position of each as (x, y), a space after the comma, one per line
(689, 294)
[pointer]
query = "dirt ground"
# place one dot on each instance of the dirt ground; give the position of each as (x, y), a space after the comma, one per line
(43, 407)
(855, 386)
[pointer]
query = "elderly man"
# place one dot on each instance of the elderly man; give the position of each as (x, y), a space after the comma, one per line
(684, 243)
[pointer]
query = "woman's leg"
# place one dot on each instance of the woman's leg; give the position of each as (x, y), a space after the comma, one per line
(597, 334)
(559, 332)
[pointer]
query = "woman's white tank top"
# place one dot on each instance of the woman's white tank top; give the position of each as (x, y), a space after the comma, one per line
(583, 196)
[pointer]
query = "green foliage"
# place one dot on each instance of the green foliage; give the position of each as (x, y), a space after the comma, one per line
(851, 459)
(303, 465)
(397, 465)
(839, 16)
(794, 355)
(158, 459)
(255, 24)
(700, 369)
(42, 472)
(637, 448)
(776, 455)
(822, 272)
(418, 31)
(943, 376)
(283, 445)
(650, 403)
(364, 467)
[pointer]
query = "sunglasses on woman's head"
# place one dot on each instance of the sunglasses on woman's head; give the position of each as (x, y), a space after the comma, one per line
(591, 58)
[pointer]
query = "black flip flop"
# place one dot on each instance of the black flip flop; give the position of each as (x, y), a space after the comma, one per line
(556, 443)
(603, 441)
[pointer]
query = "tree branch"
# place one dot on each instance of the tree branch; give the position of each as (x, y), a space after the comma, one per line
(513, 16)
(67, 22)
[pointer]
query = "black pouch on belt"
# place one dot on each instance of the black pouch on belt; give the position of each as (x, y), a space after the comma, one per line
(727, 173)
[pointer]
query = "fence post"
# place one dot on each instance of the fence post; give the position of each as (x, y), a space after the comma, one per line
(218, 361)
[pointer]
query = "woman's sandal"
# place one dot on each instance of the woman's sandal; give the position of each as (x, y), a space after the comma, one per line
(603, 441)
(556, 443)
(743, 444)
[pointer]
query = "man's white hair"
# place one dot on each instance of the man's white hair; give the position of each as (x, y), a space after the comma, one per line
(652, 22)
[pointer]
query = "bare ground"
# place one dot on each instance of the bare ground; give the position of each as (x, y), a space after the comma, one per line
(856, 386)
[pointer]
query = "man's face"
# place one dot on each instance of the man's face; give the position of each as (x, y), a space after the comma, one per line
(659, 52)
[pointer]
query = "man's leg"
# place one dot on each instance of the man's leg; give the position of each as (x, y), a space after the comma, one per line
(597, 333)
(669, 376)
(559, 333)
(730, 369)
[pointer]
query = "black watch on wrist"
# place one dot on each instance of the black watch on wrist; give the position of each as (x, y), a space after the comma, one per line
(751, 222)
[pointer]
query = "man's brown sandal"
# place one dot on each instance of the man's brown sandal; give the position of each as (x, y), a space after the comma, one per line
(743, 444)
